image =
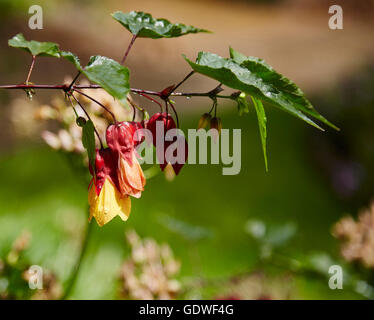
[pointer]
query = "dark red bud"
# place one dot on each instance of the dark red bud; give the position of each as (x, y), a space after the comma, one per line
(167, 91)
(216, 123)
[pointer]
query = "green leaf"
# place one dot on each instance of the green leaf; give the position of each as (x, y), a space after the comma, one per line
(282, 90)
(243, 105)
(110, 75)
(88, 140)
(72, 58)
(258, 80)
(261, 116)
(35, 48)
(143, 25)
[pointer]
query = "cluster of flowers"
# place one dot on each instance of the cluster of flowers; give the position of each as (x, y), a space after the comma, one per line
(149, 272)
(117, 174)
(357, 237)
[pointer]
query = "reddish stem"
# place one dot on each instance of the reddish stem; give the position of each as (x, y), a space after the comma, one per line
(100, 104)
(94, 86)
(128, 49)
(89, 118)
(151, 99)
(31, 69)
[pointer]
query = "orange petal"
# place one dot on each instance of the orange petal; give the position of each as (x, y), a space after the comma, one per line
(131, 177)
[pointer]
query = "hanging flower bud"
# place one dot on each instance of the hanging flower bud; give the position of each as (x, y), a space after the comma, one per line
(216, 123)
(120, 139)
(104, 197)
(138, 135)
(166, 123)
(204, 121)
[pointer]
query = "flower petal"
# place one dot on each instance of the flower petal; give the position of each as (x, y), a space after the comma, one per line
(108, 204)
(131, 177)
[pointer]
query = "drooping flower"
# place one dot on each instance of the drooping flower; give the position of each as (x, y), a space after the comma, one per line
(162, 144)
(120, 139)
(105, 198)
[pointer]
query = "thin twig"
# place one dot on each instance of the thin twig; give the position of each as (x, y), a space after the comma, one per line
(175, 112)
(151, 99)
(128, 49)
(93, 86)
(31, 69)
(74, 80)
(100, 104)
(185, 78)
(89, 118)
(133, 109)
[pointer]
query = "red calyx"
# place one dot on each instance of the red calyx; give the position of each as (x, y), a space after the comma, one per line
(106, 165)
(120, 138)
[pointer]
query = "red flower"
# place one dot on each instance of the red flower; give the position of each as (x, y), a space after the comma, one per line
(104, 197)
(117, 175)
(166, 123)
(120, 139)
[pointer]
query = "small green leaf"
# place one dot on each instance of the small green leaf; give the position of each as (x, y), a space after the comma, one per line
(88, 140)
(261, 116)
(110, 75)
(143, 25)
(72, 58)
(254, 77)
(243, 104)
(35, 48)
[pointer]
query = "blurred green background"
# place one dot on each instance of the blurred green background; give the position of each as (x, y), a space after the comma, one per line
(202, 214)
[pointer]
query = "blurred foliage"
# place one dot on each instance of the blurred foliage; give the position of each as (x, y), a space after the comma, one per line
(347, 157)
(15, 275)
(13, 7)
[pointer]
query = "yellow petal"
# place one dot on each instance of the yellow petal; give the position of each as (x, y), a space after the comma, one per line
(108, 204)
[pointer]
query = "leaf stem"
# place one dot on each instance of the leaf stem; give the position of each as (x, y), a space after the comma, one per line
(74, 80)
(31, 69)
(184, 80)
(128, 49)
